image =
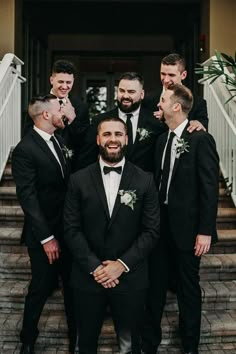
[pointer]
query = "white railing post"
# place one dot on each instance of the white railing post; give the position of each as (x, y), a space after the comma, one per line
(222, 125)
(10, 105)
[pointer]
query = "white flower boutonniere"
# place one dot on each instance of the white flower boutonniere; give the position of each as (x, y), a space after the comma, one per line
(181, 147)
(67, 152)
(143, 133)
(128, 198)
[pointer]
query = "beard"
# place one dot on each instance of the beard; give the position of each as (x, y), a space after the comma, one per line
(131, 108)
(112, 157)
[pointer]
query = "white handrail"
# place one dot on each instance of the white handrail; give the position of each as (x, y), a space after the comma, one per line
(10, 105)
(222, 125)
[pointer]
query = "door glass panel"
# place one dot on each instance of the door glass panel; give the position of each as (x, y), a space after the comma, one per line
(96, 93)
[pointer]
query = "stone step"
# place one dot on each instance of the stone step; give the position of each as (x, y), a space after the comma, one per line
(219, 348)
(213, 266)
(7, 178)
(226, 242)
(224, 199)
(215, 295)
(8, 196)
(226, 218)
(217, 327)
(10, 241)
(13, 215)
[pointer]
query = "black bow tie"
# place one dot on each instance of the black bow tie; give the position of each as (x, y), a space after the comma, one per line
(107, 169)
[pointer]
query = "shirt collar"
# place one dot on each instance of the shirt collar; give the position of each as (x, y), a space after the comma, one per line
(64, 99)
(123, 116)
(179, 130)
(42, 133)
(103, 163)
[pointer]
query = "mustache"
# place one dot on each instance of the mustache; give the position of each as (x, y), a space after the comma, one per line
(126, 99)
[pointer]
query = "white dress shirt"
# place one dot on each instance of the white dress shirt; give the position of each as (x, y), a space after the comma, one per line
(111, 182)
(133, 119)
(178, 132)
(46, 137)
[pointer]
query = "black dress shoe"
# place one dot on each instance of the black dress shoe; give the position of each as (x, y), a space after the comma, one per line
(27, 349)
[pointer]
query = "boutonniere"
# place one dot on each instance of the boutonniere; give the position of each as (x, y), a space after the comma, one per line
(181, 147)
(67, 152)
(128, 198)
(143, 133)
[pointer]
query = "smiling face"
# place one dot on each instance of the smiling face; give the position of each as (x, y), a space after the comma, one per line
(166, 105)
(172, 74)
(112, 140)
(62, 84)
(129, 96)
(55, 115)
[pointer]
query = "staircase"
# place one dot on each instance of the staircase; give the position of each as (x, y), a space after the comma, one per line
(218, 282)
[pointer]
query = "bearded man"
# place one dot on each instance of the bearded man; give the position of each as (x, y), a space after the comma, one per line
(111, 225)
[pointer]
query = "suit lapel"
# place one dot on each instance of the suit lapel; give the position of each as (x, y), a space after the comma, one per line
(159, 155)
(124, 184)
(44, 146)
(184, 136)
(98, 183)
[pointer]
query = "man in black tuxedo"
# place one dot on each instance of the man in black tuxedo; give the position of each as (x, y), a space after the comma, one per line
(75, 112)
(173, 71)
(40, 169)
(187, 171)
(111, 225)
(143, 128)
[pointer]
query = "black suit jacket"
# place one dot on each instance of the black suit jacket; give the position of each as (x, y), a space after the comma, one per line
(142, 151)
(198, 111)
(40, 188)
(193, 190)
(93, 236)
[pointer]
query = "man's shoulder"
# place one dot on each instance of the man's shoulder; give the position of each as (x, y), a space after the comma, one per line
(85, 171)
(137, 171)
(201, 137)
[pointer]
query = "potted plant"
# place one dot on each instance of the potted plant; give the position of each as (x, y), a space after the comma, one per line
(217, 68)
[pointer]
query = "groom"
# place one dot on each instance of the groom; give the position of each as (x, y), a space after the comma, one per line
(111, 225)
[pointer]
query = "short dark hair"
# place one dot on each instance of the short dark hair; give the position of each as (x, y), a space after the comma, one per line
(111, 119)
(43, 99)
(63, 66)
(132, 75)
(183, 96)
(174, 59)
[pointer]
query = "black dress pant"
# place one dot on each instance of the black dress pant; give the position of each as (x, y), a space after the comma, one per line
(44, 281)
(127, 313)
(167, 259)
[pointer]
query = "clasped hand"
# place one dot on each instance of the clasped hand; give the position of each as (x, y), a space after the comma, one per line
(108, 272)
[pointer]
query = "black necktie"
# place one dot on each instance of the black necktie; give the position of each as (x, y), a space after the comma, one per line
(129, 130)
(166, 170)
(107, 169)
(59, 154)
(61, 102)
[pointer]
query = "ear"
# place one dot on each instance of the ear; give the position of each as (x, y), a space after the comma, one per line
(45, 115)
(98, 140)
(176, 107)
(126, 139)
(142, 94)
(51, 79)
(184, 75)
